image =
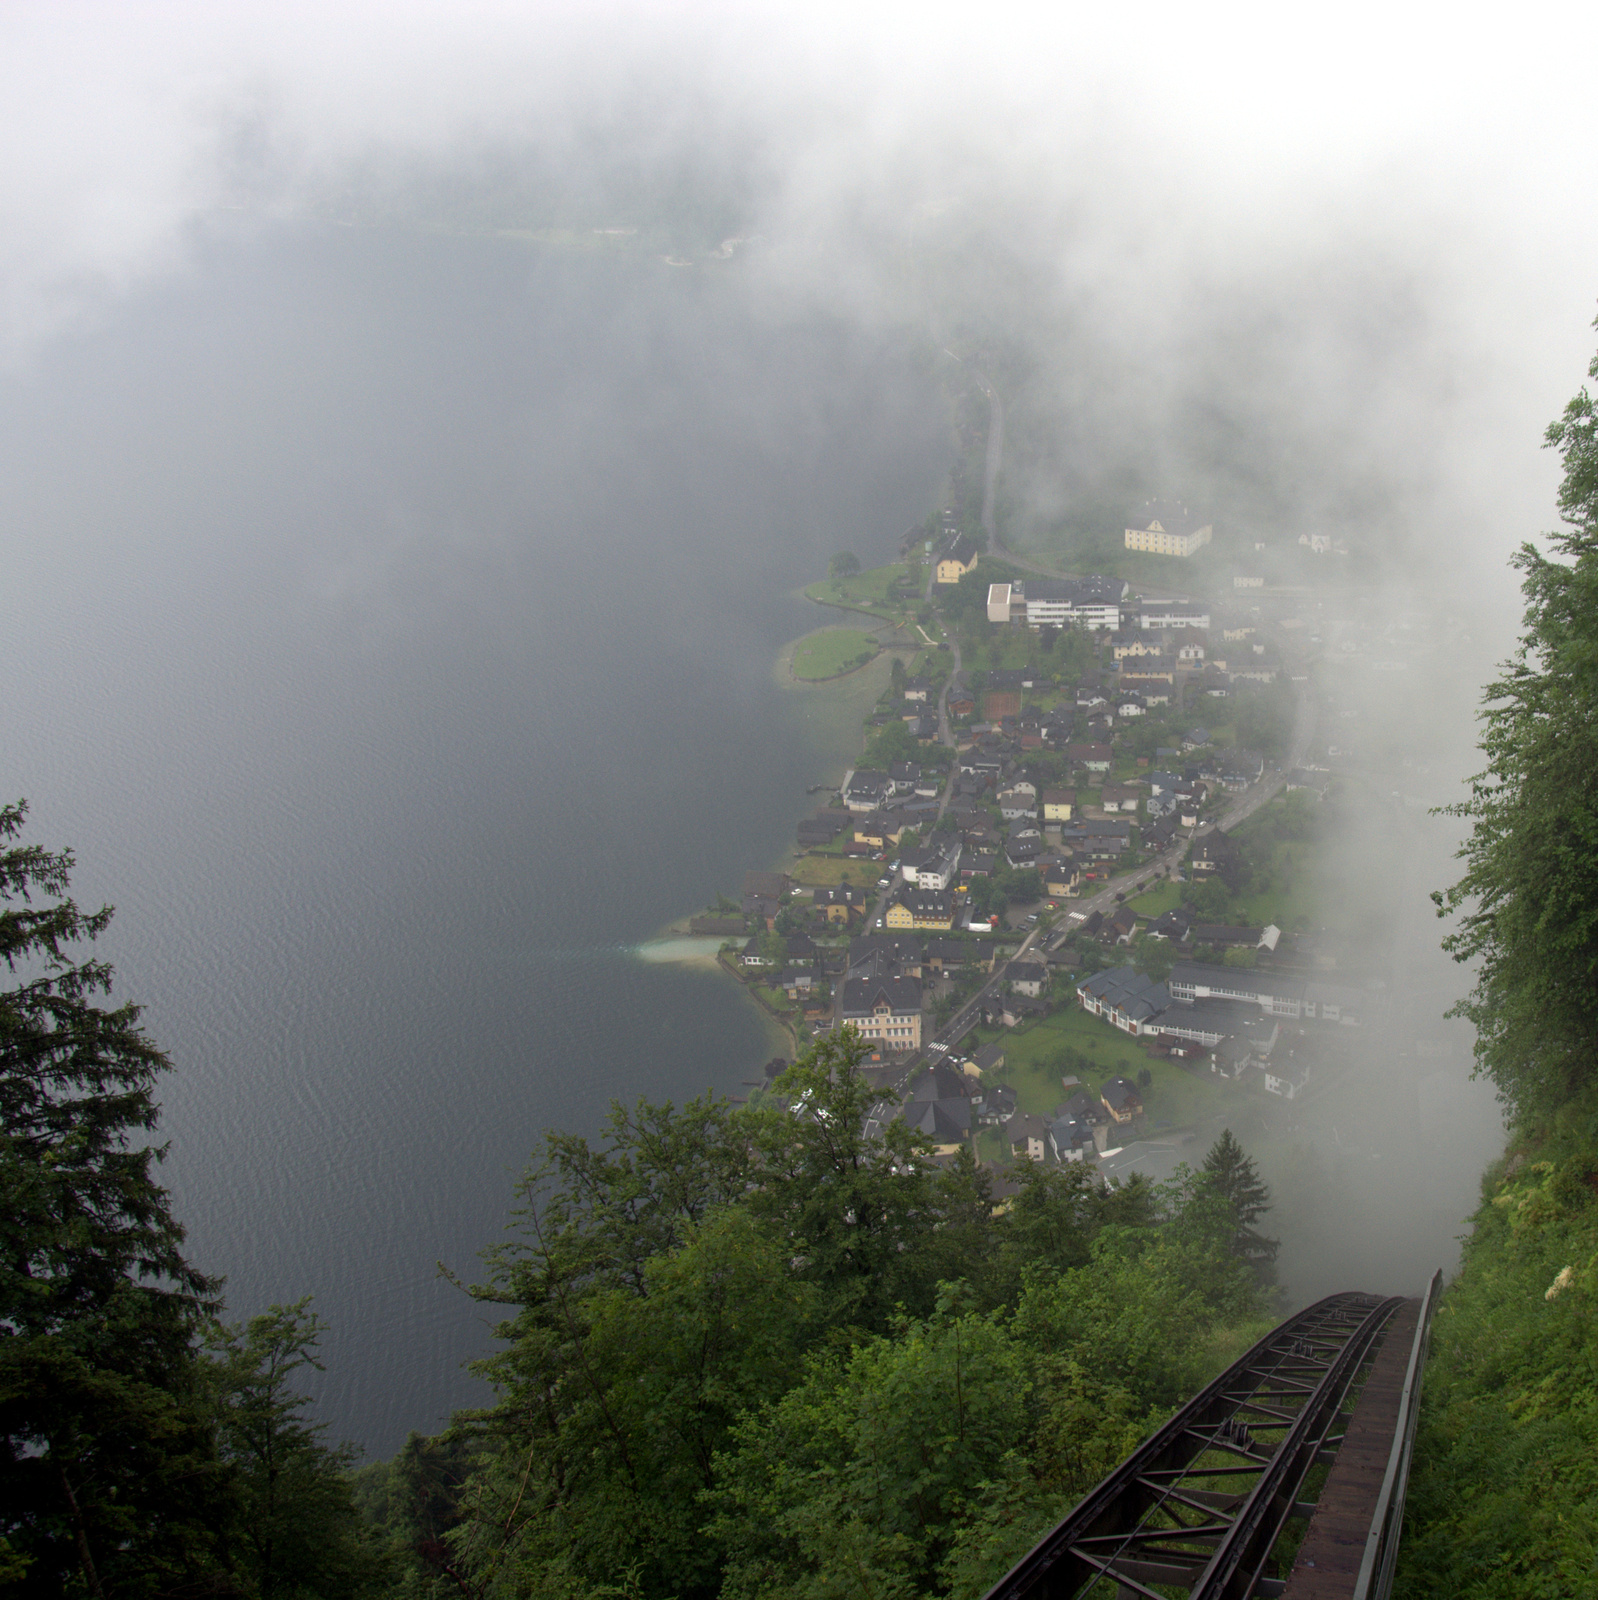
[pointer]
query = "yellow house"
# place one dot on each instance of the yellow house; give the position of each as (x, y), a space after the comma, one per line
(1058, 804)
(1168, 530)
(1062, 878)
(921, 908)
(958, 558)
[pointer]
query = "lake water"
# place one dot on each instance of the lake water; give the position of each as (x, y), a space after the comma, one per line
(389, 623)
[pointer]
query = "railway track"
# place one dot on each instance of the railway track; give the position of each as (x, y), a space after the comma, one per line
(1284, 1476)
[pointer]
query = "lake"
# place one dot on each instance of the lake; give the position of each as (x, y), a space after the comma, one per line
(389, 623)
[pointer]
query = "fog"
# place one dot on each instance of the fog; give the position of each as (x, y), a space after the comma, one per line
(1327, 272)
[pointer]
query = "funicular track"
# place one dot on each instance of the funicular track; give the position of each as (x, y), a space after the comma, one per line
(1214, 1505)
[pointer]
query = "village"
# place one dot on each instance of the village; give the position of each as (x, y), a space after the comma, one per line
(1066, 896)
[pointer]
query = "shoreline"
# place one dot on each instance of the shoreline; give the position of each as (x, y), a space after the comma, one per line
(844, 696)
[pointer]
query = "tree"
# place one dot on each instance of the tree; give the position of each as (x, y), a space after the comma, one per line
(1233, 1177)
(301, 1533)
(109, 1481)
(1528, 901)
(843, 565)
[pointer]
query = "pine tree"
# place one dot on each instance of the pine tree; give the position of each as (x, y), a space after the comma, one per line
(109, 1482)
(1235, 1178)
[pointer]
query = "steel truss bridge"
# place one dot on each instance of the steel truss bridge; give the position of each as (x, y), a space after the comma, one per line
(1285, 1476)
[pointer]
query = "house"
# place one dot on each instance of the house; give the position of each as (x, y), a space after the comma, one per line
(960, 701)
(904, 952)
(1121, 1099)
(940, 867)
(1288, 1079)
(1173, 614)
(943, 955)
(1159, 835)
(863, 789)
(751, 956)
(1017, 1008)
(1149, 675)
(1232, 1057)
(990, 1058)
(1070, 1139)
(978, 864)
(767, 885)
(1213, 853)
(1118, 797)
(940, 1105)
(822, 828)
(1173, 925)
(1167, 528)
(1195, 738)
(903, 776)
(1095, 757)
(921, 908)
(956, 559)
(1028, 1136)
(879, 829)
(920, 690)
(840, 904)
(1023, 851)
(1017, 803)
(1123, 924)
(882, 1004)
(1058, 804)
(1061, 875)
(1030, 978)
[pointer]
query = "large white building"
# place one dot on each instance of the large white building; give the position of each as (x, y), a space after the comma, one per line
(1092, 603)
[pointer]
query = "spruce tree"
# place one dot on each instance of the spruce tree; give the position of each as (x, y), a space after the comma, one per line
(109, 1483)
(1235, 1178)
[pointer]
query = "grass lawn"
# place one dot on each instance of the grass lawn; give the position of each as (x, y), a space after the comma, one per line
(1290, 892)
(872, 590)
(1157, 901)
(833, 650)
(825, 872)
(1034, 1060)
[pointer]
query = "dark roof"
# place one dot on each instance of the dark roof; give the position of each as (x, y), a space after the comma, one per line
(1121, 1094)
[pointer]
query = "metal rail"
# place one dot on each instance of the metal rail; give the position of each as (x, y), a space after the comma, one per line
(1375, 1580)
(1198, 1508)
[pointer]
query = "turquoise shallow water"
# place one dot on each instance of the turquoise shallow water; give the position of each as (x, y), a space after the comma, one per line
(389, 623)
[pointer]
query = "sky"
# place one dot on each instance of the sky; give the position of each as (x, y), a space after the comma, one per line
(1171, 169)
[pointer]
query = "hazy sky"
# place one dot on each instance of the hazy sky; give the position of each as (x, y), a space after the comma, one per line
(1168, 169)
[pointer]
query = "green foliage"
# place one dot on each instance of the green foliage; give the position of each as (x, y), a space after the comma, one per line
(300, 1533)
(1235, 1178)
(767, 1352)
(1503, 1500)
(1528, 900)
(843, 565)
(109, 1481)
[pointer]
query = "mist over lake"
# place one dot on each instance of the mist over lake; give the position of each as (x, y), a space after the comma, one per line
(389, 624)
